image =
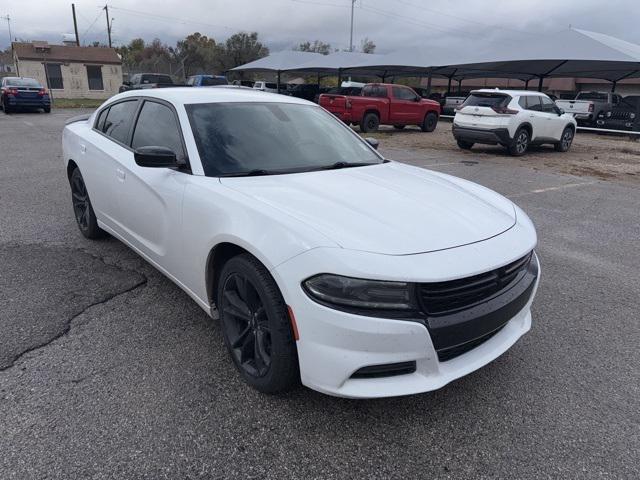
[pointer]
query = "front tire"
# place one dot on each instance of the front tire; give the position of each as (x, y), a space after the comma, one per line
(256, 327)
(370, 123)
(520, 143)
(465, 145)
(47, 109)
(565, 140)
(82, 208)
(430, 122)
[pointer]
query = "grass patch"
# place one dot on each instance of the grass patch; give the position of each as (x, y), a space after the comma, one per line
(76, 103)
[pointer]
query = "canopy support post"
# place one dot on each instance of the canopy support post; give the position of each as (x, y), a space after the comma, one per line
(339, 77)
(449, 87)
(540, 83)
(318, 80)
(613, 86)
(459, 87)
(526, 84)
(278, 81)
(429, 85)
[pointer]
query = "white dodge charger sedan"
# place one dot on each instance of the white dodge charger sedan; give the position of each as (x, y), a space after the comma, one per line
(326, 264)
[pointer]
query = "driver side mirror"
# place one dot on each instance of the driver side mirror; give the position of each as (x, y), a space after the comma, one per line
(560, 111)
(127, 83)
(155, 157)
(373, 142)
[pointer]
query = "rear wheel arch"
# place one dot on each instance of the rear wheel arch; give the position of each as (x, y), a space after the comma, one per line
(528, 127)
(71, 166)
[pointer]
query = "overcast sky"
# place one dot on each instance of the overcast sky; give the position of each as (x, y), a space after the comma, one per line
(281, 24)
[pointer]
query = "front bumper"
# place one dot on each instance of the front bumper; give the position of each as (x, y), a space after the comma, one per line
(493, 136)
(334, 345)
(616, 124)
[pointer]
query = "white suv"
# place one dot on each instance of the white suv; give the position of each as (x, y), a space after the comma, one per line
(514, 119)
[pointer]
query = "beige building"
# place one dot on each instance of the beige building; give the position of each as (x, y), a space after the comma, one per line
(69, 71)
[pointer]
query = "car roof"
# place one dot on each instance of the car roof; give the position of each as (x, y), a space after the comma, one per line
(513, 93)
(189, 95)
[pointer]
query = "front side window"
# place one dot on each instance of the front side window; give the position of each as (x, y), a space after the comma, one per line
(157, 126)
(94, 75)
(376, 91)
(239, 138)
(54, 76)
(119, 119)
(404, 94)
(548, 105)
(211, 81)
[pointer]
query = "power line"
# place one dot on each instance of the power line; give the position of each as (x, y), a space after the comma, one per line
(93, 23)
(169, 19)
(457, 17)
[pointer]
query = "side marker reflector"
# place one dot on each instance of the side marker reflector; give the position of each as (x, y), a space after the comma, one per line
(294, 325)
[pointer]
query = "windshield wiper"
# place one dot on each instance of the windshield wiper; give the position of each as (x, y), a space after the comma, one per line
(251, 173)
(338, 165)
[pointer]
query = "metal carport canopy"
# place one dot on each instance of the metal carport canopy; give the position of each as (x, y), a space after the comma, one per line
(279, 62)
(568, 53)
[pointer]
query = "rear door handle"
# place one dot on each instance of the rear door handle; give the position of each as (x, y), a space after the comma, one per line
(83, 148)
(120, 174)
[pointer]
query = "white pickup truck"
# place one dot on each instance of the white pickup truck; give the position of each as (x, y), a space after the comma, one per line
(588, 105)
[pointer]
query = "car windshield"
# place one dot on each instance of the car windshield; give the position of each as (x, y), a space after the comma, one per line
(210, 81)
(269, 138)
(22, 82)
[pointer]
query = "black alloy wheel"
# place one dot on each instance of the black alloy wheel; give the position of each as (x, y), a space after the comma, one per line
(256, 326)
(82, 209)
(246, 325)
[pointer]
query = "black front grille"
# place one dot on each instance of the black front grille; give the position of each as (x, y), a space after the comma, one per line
(442, 298)
(453, 352)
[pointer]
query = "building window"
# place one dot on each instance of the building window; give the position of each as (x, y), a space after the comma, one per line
(54, 76)
(94, 74)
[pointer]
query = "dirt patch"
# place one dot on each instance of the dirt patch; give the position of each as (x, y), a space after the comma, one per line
(606, 157)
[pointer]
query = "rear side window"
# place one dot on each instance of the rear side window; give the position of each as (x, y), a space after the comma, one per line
(119, 119)
(210, 81)
(102, 116)
(530, 102)
(374, 91)
(157, 126)
(486, 100)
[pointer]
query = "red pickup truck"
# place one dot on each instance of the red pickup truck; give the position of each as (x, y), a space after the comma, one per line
(386, 104)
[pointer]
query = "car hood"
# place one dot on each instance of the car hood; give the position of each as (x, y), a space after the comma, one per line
(391, 208)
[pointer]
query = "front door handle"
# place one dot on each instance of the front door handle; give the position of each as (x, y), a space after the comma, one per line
(120, 174)
(83, 148)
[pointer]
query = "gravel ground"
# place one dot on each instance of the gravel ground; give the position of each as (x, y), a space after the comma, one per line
(109, 371)
(603, 156)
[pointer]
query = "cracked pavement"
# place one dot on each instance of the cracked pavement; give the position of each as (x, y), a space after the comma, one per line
(108, 370)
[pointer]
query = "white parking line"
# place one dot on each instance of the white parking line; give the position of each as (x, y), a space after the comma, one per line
(29, 124)
(552, 189)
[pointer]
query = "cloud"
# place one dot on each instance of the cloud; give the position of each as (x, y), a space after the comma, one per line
(392, 24)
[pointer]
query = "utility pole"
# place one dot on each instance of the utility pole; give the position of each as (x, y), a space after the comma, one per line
(8, 19)
(353, 3)
(75, 23)
(106, 9)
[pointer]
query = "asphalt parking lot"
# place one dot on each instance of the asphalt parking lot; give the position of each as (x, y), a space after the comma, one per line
(108, 370)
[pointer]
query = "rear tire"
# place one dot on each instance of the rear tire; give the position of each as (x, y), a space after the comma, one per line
(256, 327)
(465, 145)
(565, 140)
(370, 123)
(430, 122)
(82, 208)
(47, 109)
(399, 127)
(520, 143)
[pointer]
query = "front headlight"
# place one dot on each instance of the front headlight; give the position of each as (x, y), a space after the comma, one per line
(632, 115)
(608, 114)
(359, 295)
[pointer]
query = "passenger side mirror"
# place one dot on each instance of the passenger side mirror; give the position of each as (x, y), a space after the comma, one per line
(127, 83)
(373, 142)
(155, 157)
(560, 111)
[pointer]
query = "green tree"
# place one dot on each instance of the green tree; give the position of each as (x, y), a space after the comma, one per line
(241, 48)
(316, 46)
(367, 46)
